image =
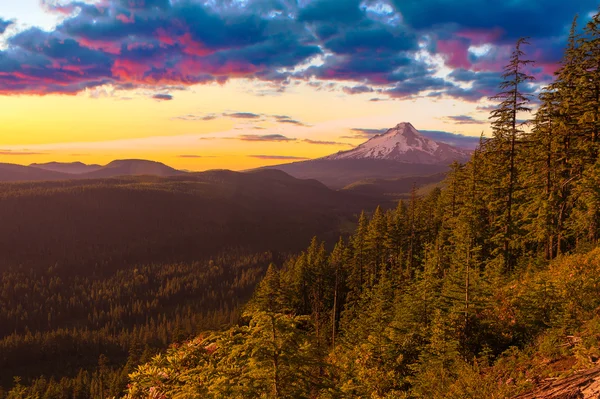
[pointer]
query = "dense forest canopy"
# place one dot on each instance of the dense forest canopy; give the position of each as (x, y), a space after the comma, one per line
(96, 276)
(478, 290)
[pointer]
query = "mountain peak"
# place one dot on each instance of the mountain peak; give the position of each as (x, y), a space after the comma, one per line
(404, 143)
(404, 125)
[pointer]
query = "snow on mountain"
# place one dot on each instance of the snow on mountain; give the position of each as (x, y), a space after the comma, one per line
(404, 143)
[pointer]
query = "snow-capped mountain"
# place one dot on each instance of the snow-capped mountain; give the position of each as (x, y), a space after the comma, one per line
(404, 143)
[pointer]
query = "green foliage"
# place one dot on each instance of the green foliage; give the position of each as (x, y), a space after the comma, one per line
(477, 290)
(270, 357)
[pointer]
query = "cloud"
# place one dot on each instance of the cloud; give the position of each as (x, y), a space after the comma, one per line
(464, 120)
(162, 97)
(357, 89)
(290, 121)
(386, 46)
(192, 117)
(4, 24)
(319, 142)
(243, 115)
(413, 86)
(376, 99)
(20, 153)
(363, 133)
(277, 157)
(544, 20)
(266, 137)
(486, 108)
(454, 139)
(136, 43)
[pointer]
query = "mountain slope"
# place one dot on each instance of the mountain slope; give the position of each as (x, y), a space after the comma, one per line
(404, 143)
(393, 188)
(62, 167)
(401, 152)
(92, 223)
(132, 167)
(12, 172)
(339, 173)
(77, 170)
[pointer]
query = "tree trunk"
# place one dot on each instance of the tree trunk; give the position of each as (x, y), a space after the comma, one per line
(583, 385)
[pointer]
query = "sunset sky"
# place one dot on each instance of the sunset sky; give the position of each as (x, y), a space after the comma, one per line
(202, 84)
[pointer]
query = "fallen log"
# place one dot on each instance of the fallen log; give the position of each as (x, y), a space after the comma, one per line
(581, 385)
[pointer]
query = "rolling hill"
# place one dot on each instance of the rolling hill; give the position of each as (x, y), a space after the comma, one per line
(396, 188)
(132, 167)
(11, 173)
(99, 223)
(75, 168)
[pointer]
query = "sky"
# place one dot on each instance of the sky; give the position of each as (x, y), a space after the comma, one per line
(237, 84)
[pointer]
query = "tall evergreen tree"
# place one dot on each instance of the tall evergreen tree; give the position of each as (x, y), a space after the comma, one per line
(507, 135)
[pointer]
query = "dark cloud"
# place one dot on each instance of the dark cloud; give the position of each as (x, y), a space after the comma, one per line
(277, 157)
(243, 115)
(376, 99)
(358, 89)
(412, 87)
(192, 117)
(287, 119)
(291, 121)
(369, 132)
(464, 120)
(363, 133)
(265, 137)
(545, 19)
(4, 24)
(345, 12)
(454, 139)
(132, 43)
(162, 97)
(364, 45)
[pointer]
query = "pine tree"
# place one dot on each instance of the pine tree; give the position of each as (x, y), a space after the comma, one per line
(357, 275)
(337, 261)
(268, 296)
(507, 135)
(377, 255)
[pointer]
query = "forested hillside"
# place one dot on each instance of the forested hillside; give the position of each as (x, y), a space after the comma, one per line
(481, 290)
(96, 276)
(97, 225)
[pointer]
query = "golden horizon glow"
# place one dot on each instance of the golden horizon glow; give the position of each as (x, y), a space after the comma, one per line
(102, 125)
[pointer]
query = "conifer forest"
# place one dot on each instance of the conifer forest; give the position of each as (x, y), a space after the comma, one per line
(486, 286)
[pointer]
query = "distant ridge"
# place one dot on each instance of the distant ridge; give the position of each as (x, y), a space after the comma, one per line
(67, 167)
(12, 173)
(79, 170)
(133, 167)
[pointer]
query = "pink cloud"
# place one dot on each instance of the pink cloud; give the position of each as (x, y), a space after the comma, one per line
(125, 19)
(479, 37)
(456, 52)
